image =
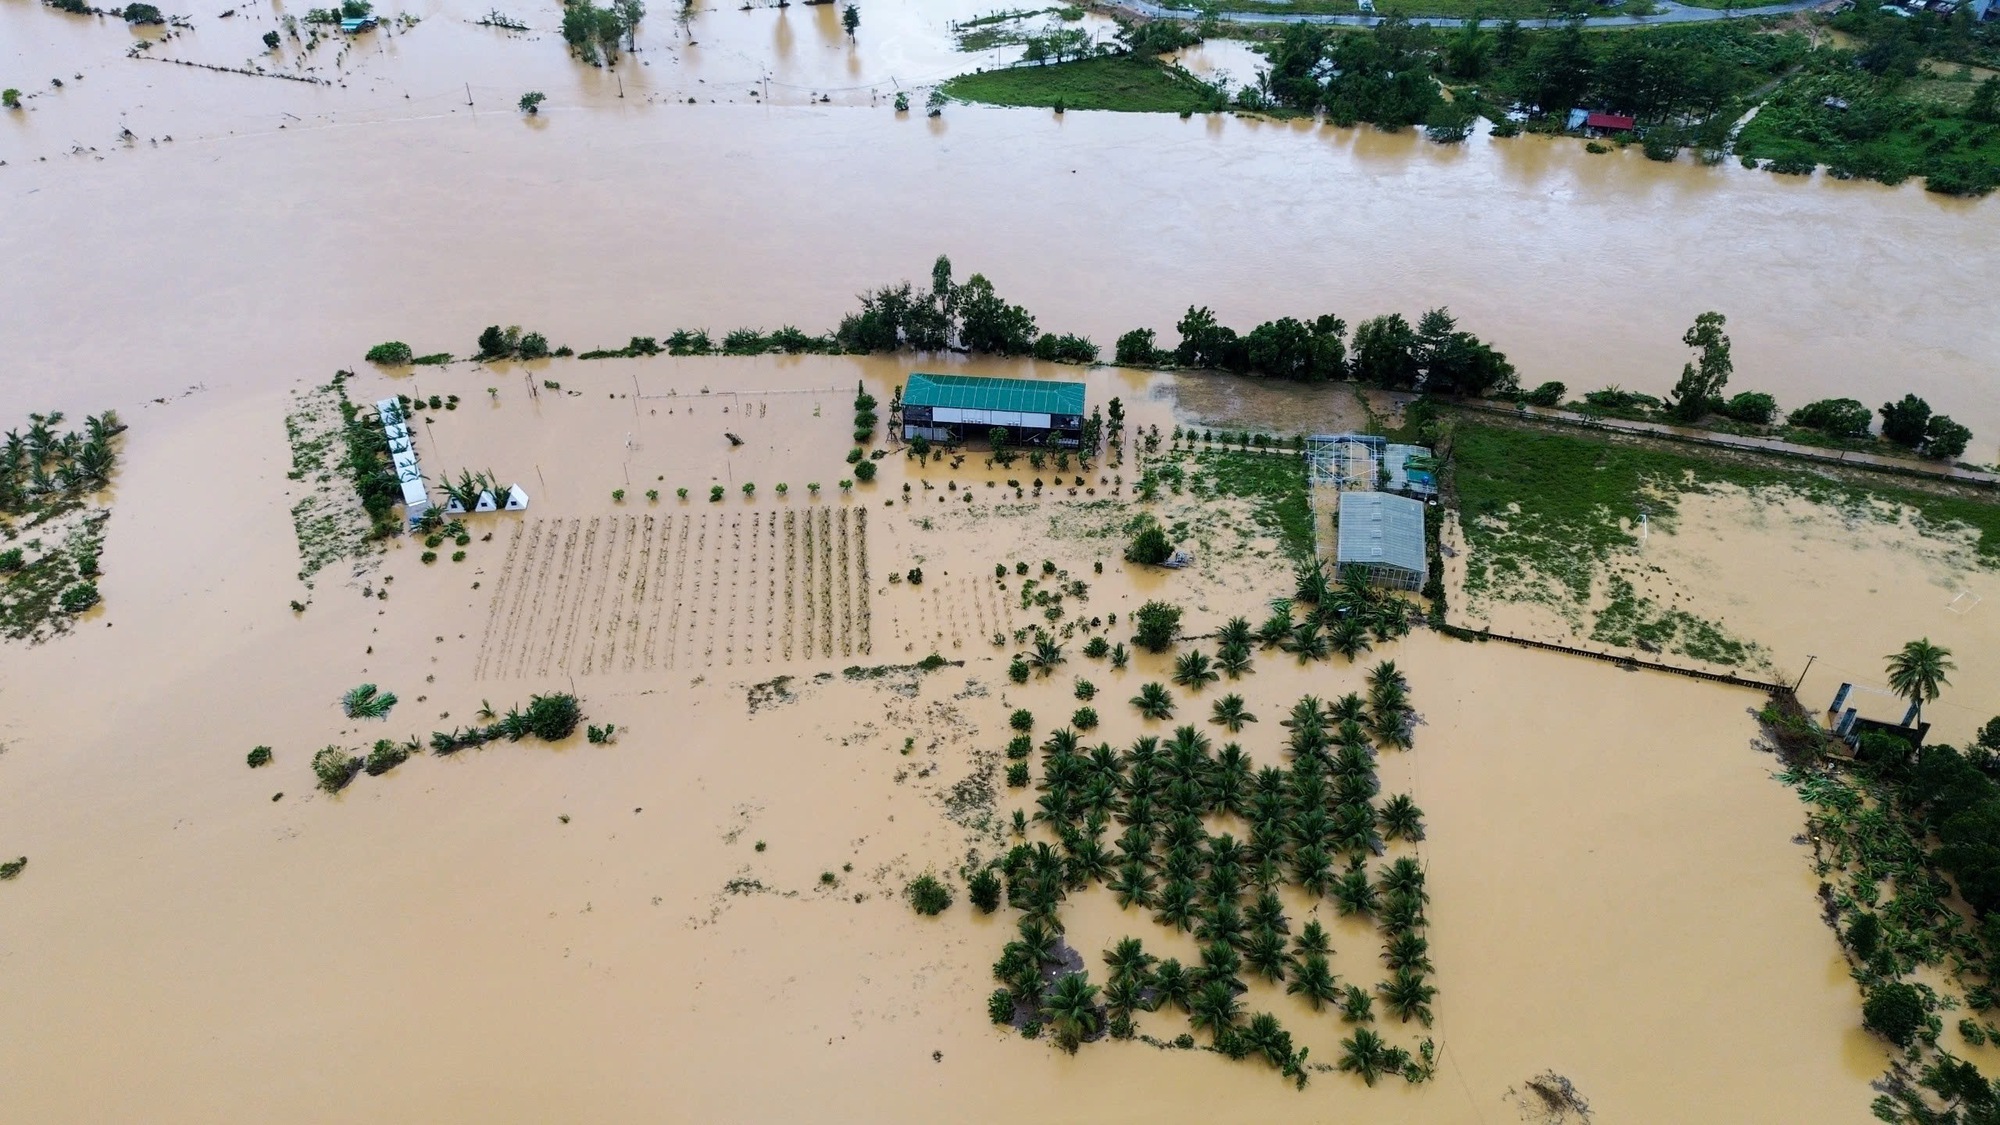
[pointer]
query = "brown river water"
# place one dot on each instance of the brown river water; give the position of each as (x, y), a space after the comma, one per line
(1618, 897)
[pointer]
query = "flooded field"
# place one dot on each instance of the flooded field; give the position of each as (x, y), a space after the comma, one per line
(1597, 843)
(704, 919)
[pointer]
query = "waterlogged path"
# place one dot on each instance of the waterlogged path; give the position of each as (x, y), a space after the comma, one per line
(1669, 12)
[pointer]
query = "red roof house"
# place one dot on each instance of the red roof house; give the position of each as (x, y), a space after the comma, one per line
(1610, 122)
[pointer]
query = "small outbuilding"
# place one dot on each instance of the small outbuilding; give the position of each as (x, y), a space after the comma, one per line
(958, 407)
(1382, 535)
(1609, 122)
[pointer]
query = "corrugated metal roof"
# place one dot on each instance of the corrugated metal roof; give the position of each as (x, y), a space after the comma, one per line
(1378, 528)
(973, 392)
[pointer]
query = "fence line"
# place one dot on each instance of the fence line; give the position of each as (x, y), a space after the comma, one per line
(1623, 661)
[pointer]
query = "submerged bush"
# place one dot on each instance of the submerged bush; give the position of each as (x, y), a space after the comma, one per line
(394, 353)
(1895, 1011)
(260, 756)
(928, 896)
(335, 768)
(365, 702)
(79, 597)
(386, 756)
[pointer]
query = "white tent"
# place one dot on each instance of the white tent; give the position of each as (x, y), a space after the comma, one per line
(486, 503)
(517, 499)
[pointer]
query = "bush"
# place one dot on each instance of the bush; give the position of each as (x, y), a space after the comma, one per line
(1895, 1011)
(1085, 718)
(1022, 720)
(1018, 671)
(928, 896)
(531, 102)
(984, 890)
(11, 98)
(1840, 417)
(1017, 775)
(1019, 747)
(79, 597)
(1000, 1005)
(1864, 935)
(1944, 438)
(365, 702)
(916, 576)
(552, 718)
(714, 493)
(11, 560)
(1905, 422)
(143, 13)
(1158, 625)
(1150, 546)
(1753, 407)
(1065, 348)
(534, 346)
(1097, 648)
(261, 756)
(335, 768)
(1548, 394)
(385, 756)
(395, 353)
(864, 472)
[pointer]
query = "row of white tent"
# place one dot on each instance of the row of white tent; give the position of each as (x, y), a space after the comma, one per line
(416, 497)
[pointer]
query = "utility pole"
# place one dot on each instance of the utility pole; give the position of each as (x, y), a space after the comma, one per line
(1802, 675)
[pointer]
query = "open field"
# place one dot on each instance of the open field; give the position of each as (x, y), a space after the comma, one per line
(1118, 82)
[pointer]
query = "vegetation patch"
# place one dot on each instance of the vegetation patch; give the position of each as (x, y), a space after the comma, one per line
(1130, 83)
(329, 520)
(51, 526)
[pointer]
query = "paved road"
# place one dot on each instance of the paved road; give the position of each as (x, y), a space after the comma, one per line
(1669, 12)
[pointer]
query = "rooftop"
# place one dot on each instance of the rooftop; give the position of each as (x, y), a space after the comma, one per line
(1378, 529)
(974, 392)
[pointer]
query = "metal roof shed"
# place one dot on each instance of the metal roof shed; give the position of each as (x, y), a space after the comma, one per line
(952, 407)
(1384, 536)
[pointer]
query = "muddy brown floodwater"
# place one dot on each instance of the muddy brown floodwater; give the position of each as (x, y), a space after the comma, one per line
(527, 933)
(523, 932)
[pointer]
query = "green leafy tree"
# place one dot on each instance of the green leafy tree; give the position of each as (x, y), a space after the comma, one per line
(1895, 1011)
(989, 324)
(1384, 352)
(1365, 1054)
(531, 102)
(1841, 417)
(1150, 544)
(1905, 422)
(1136, 349)
(1070, 1010)
(1701, 382)
(850, 20)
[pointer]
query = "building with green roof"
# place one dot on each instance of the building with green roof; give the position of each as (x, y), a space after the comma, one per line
(960, 407)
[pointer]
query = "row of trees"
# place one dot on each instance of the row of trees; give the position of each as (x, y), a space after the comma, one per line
(594, 33)
(1387, 351)
(47, 462)
(971, 316)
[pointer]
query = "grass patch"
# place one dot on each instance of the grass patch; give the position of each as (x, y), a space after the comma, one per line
(329, 521)
(1275, 485)
(1128, 83)
(51, 529)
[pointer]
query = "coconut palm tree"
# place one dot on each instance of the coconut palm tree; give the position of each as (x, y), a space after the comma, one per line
(1365, 1054)
(1391, 728)
(1229, 711)
(1133, 885)
(1312, 869)
(1265, 1035)
(1312, 979)
(1267, 912)
(1178, 904)
(1070, 1010)
(1312, 939)
(1123, 996)
(1404, 876)
(1349, 638)
(1917, 672)
(1221, 923)
(1408, 951)
(1401, 819)
(1401, 913)
(1045, 655)
(1407, 995)
(1172, 984)
(1386, 676)
(1062, 742)
(1311, 583)
(1276, 627)
(1356, 1005)
(1307, 641)
(1233, 659)
(1129, 959)
(1220, 961)
(1235, 631)
(1265, 953)
(1154, 702)
(1353, 893)
(1213, 1008)
(1194, 670)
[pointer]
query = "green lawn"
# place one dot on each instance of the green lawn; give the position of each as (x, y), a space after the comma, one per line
(1880, 135)
(1117, 82)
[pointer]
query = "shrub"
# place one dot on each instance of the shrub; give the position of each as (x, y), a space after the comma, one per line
(928, 896)
(458, 556)
(1753, 407)
(11, 98)
(652, 496)
(11, 560)
(1022, 720)
(1548, 394)
(1097, 648)
(1019, 747)
(13, 867)
(428, 557)
(1018, 671)
(1841, 417)
(385, 756)
(618, 496)
(1000, 1005)
(1017, 775)
(1895, 1011)
(552, 718)
(1150, 546)
(531, 102)
(864, 472)
(335, 768)
(1085, 690)
(79, 597)
(599, 736)
(749, 489)
(681, 492)
(1159, 624)
(1136, 348)
(916, 576)
(260, 756)
(855, 455)
(143, 13)
(534, 345)
(715, 494)
(984, 890)
(1085, 718)
(392, 354)
(1864, 935)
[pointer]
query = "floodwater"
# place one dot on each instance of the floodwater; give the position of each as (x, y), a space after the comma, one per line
(441, 943)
